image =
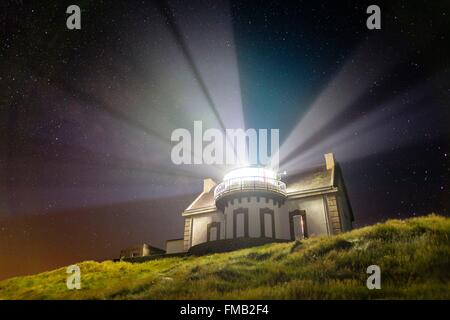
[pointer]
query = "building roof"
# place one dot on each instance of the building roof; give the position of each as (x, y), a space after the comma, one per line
(178, 239)
(316, 178)
(203, 201)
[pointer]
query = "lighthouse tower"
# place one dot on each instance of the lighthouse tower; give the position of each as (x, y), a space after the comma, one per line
(251, 199)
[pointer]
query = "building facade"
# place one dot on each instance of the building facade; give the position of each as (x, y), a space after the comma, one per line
(253, 206)
(140, 250)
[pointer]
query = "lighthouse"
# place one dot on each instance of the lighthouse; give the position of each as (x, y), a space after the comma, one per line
(255, 205)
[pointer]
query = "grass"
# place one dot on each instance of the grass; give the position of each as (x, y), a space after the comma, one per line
(413, 254)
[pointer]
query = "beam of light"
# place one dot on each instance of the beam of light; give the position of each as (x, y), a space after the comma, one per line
(373, 133)
(101, 152)
(346, 87)
(211, 53)
(116, 120)
(179, 81)
(172, 87)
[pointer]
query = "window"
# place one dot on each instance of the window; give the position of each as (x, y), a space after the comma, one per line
(213, 231)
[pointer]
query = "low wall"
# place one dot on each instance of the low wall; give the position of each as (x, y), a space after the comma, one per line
(230, 245)
(151, 257)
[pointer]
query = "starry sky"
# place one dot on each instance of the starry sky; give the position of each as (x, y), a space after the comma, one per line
(86, 116)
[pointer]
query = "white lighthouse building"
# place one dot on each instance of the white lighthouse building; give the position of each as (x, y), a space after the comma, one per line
(254, 206)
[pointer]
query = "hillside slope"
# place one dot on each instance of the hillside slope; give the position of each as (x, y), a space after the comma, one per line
(413, 254)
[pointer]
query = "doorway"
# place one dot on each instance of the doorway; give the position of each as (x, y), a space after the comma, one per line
(298, 224)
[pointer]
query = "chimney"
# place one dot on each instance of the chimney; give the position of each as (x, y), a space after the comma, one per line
(329, 160)
(208, 184)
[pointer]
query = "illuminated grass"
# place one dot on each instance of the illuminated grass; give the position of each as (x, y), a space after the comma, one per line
(413, 254)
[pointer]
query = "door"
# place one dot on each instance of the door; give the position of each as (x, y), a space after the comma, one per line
(298, 225)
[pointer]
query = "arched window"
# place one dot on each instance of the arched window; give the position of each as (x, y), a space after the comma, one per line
(240, 228)
(267, 222)
(298, 224)
(213, 231)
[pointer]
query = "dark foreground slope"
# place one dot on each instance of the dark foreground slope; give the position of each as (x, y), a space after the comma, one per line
(413, 254)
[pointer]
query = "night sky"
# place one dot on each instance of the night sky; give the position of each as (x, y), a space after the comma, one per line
(86, 115)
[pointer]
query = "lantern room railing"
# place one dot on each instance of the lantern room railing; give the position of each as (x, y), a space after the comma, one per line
(249, 184)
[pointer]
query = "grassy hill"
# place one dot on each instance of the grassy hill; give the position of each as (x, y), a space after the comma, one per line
(413, 254)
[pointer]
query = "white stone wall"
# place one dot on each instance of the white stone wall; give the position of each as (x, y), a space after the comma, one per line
(316, 217)
(254, 228)
(317, 221)
(200, 225)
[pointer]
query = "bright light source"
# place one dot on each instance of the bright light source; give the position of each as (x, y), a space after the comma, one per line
(248, 172)
(250, 179)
